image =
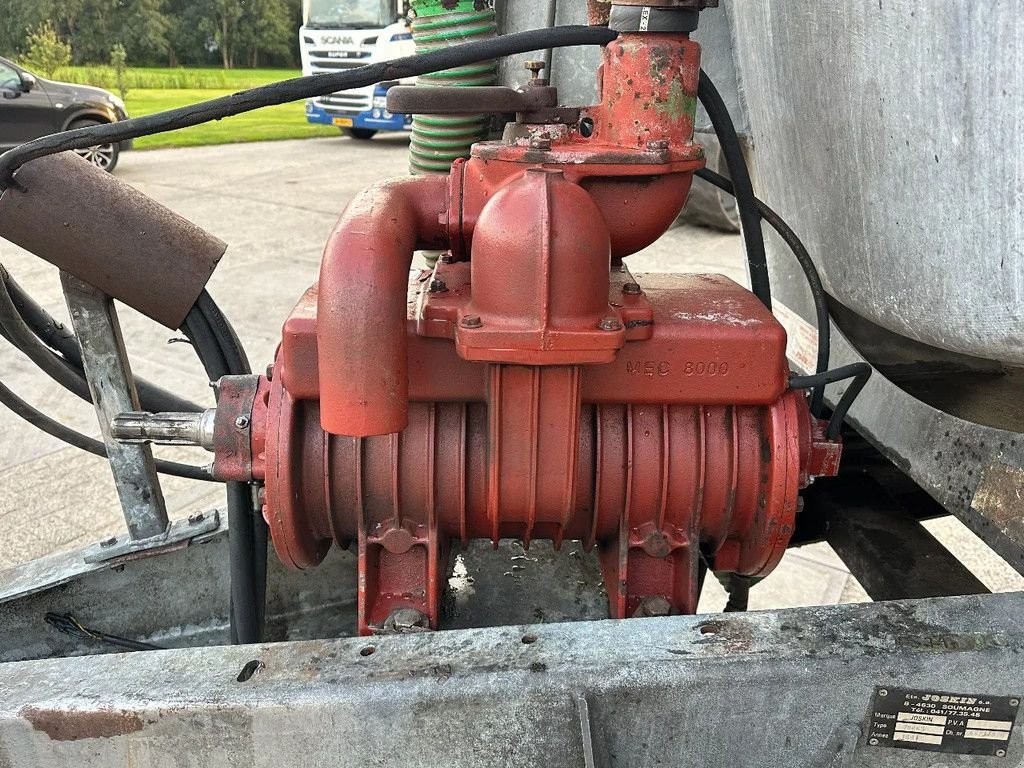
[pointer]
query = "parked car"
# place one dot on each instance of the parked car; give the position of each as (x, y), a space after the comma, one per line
(32, 107)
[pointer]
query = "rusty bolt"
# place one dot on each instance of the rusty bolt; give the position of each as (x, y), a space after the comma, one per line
(242, 422)
(631, 289)
(534, 66)
(438, 286)
(657, 145)
(448, 258)
(109, 542)
(655, 605)
(472, 321)
(196, 519)
(539, 143)
(270, 371)
(610, 324)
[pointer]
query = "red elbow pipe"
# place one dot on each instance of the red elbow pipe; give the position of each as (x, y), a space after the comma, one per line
(361, 334)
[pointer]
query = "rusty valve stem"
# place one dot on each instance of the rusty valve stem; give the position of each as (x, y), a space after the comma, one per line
(165, 428)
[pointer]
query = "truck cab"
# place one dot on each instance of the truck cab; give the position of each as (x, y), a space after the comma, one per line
(342, 34)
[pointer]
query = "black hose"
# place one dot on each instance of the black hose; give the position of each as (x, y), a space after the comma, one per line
(859, 372)
(810, 272)
(76, 439)
(300, 88)
(221, 354)
(54, 349)
(750, 219)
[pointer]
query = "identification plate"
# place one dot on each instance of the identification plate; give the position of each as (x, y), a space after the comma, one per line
(344, 122)
(935, 721)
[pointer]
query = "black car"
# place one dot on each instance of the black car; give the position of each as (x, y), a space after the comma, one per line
(32, 107)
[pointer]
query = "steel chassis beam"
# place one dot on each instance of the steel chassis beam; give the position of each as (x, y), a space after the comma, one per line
(789, 688)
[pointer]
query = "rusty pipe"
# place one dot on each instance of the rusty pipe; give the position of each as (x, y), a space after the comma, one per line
(361, 334)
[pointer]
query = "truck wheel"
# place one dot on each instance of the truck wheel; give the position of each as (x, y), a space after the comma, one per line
(102, 155)
(363, 134)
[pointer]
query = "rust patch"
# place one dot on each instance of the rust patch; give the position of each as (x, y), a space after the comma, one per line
(72, 725)
(1000, 498)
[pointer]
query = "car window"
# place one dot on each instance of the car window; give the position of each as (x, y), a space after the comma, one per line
(9, 77)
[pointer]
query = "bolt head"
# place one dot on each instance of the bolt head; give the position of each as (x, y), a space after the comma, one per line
(242, 422)
(540, 144)
(534, 65)
(658, 145)
(632, 289)
(438, 286)
(472, 321)
(447, 259)
(270, 371)
(109, 542)
(610, 324)
(197, 518)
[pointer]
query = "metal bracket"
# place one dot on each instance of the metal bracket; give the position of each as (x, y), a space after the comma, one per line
(113, 392)
(177, 532)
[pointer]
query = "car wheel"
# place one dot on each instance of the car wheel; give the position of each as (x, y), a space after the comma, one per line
(103, 156)
(363, 134)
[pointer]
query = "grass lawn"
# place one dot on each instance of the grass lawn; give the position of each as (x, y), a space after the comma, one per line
(285, 121)
(154, 89)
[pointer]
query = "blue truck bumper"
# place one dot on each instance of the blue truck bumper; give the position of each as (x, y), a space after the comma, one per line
(371, 119)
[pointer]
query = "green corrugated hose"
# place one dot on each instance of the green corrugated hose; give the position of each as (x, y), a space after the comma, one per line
(439, 140)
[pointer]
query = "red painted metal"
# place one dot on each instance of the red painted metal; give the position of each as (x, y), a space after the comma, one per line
(529, 386)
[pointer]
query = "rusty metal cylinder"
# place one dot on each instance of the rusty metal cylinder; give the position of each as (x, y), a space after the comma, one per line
(669, 476)
(109, 235)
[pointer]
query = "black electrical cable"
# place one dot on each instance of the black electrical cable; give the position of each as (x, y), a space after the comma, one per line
(750, 219)
(818, 294)
(77, 440)
(301, 88)
(54, 349)
(859, 372)
(69, 625)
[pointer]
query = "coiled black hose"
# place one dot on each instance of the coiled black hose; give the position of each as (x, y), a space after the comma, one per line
(54, 349)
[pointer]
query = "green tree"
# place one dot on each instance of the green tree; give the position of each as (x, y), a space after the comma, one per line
(267, 27)
(46, 51)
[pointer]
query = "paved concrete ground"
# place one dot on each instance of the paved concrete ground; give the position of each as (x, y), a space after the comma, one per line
(275, 204)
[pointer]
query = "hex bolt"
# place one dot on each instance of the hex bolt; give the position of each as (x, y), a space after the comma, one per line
(535, 67)
(654, 605)
(196, 519)
(109, 542)
(632, 289)
(242, 422)
(472, 321)
(540, 144)
(270, 371)
(657, 145)
(438, 286)
(448, 259)
(610, 324)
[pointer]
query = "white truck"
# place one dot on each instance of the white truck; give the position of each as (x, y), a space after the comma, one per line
(341, 34)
